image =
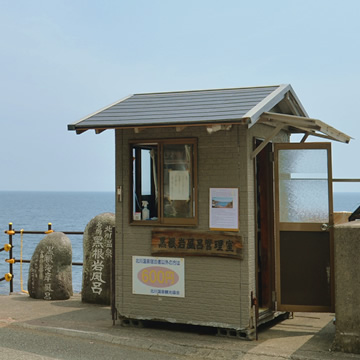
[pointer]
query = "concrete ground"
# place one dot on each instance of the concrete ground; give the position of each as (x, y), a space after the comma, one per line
(77, 330)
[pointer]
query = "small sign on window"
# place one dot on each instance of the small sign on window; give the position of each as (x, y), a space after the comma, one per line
(179, 185)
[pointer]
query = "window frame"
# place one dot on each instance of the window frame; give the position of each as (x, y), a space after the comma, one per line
(162, 220)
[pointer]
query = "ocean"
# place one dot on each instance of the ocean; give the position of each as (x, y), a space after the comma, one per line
(32, 211)
(69, 211)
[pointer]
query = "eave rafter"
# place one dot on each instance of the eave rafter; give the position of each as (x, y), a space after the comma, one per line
(298, 124)
(301, 124)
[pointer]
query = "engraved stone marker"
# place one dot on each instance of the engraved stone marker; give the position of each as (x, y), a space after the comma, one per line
(97, 259)
(50, 272)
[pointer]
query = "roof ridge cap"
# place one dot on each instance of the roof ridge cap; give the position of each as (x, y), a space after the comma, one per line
(213, 89)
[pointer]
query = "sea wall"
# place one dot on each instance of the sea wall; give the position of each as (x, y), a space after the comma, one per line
(347, 287)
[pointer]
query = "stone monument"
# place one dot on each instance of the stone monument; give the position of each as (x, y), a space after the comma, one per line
(97, 247)
(50, 272)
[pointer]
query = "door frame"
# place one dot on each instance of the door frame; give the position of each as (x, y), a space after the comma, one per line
(265, 220)
(298, 227)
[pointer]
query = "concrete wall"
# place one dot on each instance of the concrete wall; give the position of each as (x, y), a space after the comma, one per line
(217, 289)
(341, 217)
(347, 287)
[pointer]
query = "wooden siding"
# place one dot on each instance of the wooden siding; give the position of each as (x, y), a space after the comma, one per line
(217, 289)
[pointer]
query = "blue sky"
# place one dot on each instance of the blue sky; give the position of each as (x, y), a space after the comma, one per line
(61, 60)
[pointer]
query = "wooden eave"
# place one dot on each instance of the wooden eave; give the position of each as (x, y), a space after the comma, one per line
(221, 125)
(299, 124)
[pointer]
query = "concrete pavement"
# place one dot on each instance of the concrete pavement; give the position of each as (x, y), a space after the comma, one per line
(306, 336)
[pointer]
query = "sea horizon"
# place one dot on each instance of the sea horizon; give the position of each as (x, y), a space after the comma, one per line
(33, 210)
(70, 211)
(62, 191)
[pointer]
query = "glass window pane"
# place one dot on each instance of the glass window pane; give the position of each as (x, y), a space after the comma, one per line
(145, 183)
(145, 172)
(178, 184)
(170, 198)
(303, 185)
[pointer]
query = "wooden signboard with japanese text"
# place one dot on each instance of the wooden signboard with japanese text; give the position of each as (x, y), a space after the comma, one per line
(193, 243)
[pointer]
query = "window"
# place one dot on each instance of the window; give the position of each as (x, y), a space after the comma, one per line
(164, 182)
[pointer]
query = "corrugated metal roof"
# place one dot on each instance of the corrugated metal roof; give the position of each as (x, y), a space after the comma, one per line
(244, 105)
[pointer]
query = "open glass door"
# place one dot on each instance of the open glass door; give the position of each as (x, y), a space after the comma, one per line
(304, 241)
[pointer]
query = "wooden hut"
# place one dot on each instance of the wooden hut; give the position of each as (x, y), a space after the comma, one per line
(220, 220)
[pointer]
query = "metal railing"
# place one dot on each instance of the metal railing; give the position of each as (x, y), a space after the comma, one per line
(9, 248)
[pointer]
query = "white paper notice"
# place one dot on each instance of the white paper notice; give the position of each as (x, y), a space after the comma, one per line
(224, 209)
(179, 181)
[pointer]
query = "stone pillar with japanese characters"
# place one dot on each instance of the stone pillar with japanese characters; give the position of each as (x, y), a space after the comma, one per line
(50, 272)
(97, 247)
